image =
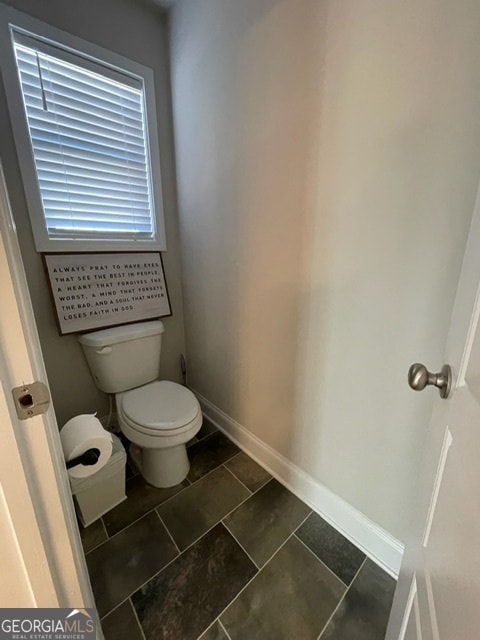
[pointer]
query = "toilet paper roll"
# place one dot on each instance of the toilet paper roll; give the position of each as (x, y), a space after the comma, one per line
(81, 433)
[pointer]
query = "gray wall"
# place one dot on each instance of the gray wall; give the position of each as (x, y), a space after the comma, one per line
(328, 156)
(136, 30)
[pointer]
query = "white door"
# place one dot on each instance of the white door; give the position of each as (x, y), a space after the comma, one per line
(438, 592)
(41, 559)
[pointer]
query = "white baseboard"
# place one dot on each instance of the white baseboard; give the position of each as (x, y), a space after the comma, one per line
(375, 542)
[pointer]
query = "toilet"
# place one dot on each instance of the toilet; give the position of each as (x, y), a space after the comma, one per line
(158, 416)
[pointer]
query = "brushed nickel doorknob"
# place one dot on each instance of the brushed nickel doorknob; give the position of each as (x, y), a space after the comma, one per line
(420, 377)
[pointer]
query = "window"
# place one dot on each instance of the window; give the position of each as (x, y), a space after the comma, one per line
(87, 143)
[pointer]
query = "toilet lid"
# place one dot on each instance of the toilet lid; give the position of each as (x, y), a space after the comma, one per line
(160, 405)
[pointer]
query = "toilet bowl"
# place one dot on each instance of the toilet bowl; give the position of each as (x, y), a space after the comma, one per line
(158, 416)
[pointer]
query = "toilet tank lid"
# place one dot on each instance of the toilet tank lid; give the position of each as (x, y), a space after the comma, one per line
(125, 332)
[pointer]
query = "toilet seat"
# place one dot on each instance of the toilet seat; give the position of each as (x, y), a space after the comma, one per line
(160, 408)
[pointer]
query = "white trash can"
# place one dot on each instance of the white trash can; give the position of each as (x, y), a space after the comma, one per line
(100, 492)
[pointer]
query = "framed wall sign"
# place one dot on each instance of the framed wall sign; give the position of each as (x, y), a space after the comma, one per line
(96, 290)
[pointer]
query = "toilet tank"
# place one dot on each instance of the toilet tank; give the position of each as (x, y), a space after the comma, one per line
(124, 357)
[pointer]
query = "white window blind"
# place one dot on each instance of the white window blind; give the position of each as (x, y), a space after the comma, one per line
(89, 139)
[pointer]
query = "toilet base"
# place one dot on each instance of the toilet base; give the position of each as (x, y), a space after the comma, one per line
(162, 468)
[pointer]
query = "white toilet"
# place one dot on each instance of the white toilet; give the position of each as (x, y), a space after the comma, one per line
(157, 416)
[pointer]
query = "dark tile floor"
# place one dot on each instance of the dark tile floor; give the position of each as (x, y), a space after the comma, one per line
(229, 554)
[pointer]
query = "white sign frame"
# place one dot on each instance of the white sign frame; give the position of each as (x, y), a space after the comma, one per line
(97, 290)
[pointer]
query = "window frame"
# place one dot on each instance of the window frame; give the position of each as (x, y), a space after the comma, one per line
(10, 20)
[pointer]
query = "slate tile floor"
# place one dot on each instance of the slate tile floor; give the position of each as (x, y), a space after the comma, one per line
(229, 554)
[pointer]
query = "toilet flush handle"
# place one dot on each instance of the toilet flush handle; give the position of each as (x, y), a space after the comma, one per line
(104, 351)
